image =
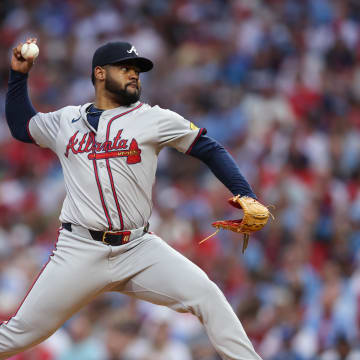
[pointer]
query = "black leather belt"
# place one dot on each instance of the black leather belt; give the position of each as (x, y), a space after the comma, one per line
(113, 238)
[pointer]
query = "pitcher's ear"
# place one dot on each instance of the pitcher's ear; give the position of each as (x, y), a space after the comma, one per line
(99, 73)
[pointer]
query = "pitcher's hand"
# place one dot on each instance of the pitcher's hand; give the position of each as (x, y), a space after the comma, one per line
(18, 63)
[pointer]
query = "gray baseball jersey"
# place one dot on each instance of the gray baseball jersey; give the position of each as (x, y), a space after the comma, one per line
(109, 173)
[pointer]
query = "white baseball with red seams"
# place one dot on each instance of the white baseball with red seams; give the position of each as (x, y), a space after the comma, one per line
(29, 50)
(109, 174)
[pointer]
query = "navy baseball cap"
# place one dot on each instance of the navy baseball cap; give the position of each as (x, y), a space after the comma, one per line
(117, 52)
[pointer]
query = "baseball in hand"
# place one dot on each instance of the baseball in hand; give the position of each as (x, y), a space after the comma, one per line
(29, 50)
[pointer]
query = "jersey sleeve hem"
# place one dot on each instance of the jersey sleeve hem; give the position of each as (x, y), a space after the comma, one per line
(202, 131)
(29, 133)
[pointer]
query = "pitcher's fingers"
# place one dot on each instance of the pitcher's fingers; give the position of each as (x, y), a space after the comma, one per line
(18, 48)
(31, 40)
(17, 52)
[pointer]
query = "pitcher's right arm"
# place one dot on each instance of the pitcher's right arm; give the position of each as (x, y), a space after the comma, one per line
(18, 107)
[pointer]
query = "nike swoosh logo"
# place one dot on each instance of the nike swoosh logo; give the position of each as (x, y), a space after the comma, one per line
(75, 120)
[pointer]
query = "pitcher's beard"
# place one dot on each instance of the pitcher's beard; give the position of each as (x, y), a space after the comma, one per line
(122, 96)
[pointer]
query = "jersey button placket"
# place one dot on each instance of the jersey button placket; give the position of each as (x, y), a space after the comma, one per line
(108, 193)
(101, 169)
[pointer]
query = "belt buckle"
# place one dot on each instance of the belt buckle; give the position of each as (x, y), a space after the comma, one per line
(125, 236)
(104, 237)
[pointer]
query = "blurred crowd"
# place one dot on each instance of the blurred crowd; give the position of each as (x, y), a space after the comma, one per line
(277, 82)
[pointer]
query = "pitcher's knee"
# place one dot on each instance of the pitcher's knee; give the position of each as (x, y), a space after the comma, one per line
(206, 292)
(207, 302)
(214, 294)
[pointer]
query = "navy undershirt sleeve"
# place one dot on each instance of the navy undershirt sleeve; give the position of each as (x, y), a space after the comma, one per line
(18, 107)
(221, 163)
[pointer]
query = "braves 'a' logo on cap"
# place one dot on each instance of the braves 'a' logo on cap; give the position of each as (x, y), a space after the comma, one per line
(132, 50)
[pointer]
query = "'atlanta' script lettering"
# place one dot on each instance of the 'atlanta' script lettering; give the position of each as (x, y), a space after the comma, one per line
(117, 147)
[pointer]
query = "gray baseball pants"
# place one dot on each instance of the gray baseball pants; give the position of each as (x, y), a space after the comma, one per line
(146, 268)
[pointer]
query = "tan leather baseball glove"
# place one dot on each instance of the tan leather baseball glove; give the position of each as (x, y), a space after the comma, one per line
(255, 218)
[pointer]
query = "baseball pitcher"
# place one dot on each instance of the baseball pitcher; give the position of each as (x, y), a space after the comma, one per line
(108, 151)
